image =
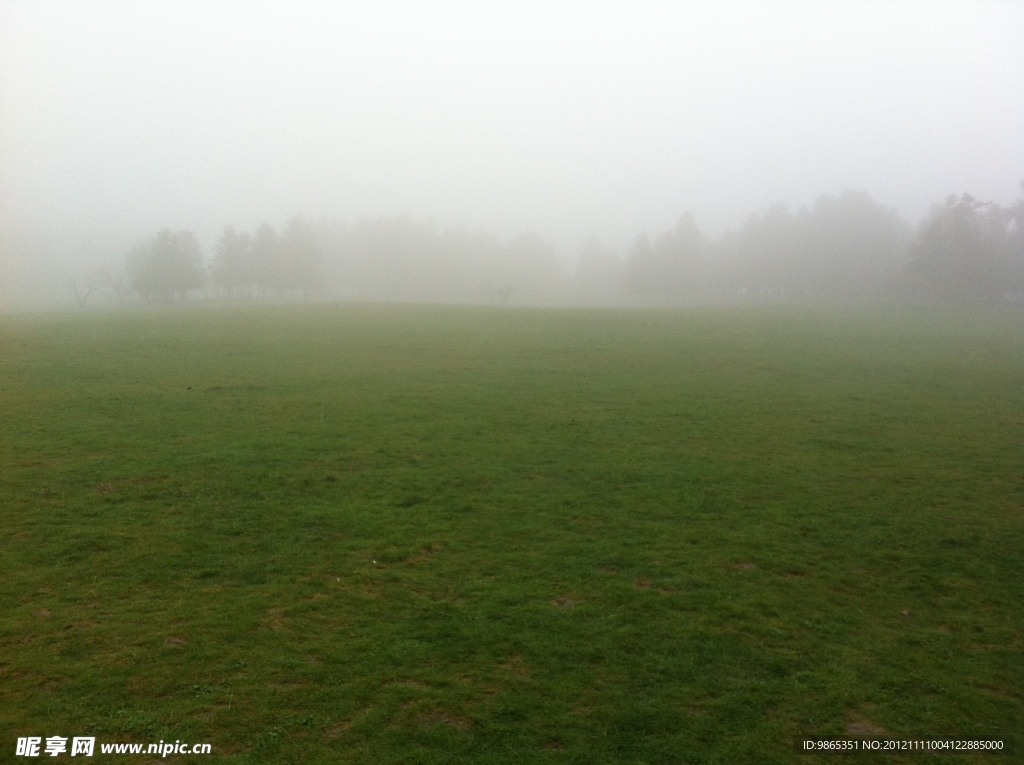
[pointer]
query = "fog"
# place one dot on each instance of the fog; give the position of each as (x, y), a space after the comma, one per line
(528, 148)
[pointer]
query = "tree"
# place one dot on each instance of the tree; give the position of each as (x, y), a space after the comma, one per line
(965, 251)
(597, 270)
(525, 267)
(855, 247)
(1015, 242)
(639, 265)
(169, 266)
(672, 267)
(233, 269)
(846, 246)
(299, 258)
(265, 258)
(100, 281)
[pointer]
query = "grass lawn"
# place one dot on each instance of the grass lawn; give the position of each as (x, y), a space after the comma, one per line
(392, 534)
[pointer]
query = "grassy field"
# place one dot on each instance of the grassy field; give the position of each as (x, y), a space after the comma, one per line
(384, 534)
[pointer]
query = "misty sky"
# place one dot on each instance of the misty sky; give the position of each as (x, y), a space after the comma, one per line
(567, 118)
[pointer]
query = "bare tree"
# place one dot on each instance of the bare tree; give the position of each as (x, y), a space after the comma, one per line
(99, 282)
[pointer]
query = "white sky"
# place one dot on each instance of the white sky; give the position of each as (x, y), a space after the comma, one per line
(568, 118)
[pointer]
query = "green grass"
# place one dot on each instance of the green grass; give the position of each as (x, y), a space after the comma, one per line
(382, 534)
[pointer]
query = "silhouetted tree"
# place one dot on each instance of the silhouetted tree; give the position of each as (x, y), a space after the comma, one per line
(846, 246)
(672, 267)
(855, 247)
(266, 259)
(299, 258)
(965, 251)
(1015, 239)
(233, 269)
(597, 270)
(169, 266)
(770, 254)
(526, 265)
(639, 263)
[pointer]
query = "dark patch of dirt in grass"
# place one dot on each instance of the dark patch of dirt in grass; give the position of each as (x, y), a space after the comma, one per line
(174, 642)
(272, 620)
(335, 731)
(1006, 693)
(445, 718)
(865, 728)
(297, 684)
(412, 684)
(516, 666)
(564, 602)
(44, 612)
(425, 553)
(642, 584)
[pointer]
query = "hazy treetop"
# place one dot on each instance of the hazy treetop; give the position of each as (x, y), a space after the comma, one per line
(568, 118)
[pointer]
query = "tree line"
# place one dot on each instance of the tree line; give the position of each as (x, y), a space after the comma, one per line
(171, 264)
(844, 247)
(375, 259)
